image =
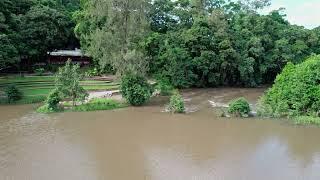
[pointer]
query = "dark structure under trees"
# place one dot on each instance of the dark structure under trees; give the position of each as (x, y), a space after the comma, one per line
(60, 57)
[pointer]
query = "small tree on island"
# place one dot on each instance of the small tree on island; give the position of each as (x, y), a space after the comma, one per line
(135, 89)
(176, 104)
(68, 83)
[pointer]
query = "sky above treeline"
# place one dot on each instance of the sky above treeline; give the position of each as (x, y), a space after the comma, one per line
(301, 12)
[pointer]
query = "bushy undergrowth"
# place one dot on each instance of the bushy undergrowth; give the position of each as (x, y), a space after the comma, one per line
(39, 71)
(24, 100)
(176, 104)
(53, 99)
(12, 93)
(45, 109)
(164, 87)
(135, 89)
(296, 91)
(93, 105)
(92, 72)
(306, 120)
(239, 107)
(100, 104)
(52, 103)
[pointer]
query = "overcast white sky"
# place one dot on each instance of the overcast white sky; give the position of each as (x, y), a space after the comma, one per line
(300, 12)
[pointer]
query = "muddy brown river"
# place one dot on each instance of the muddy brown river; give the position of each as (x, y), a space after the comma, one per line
(145, 143)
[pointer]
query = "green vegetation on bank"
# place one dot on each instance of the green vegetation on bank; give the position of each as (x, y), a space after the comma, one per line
(99, 104)
(306, 120)
(67, 86)
(296, 92)
(135, 89)
(35, 89)
(68, 83)
(164, 87)
(239, 107)
(24, 100)
(194, 43)
(30, 28)
(12, 93)
(176, 104)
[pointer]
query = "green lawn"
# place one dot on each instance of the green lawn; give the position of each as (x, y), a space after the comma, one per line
(36, 88)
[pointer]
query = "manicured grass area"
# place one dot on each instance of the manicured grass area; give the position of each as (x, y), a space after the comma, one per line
(36, 88)
(36, 92)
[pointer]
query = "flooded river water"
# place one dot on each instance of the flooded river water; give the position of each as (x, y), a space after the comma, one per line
(144, 143)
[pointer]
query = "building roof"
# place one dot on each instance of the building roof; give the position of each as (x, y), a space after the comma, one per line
(76, 53)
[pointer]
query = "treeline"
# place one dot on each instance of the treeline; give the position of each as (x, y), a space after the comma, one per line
(217, 43)
(30, 28)
(194, 43)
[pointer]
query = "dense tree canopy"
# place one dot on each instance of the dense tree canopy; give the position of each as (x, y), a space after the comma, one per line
(30, 28)
(211, 43)
(190, 43)
(202, 43)
(110, 31)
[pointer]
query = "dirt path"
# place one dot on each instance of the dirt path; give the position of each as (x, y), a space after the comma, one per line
(114, 94)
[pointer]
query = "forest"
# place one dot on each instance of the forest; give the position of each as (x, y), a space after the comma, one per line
(30, 28)
(188, 43)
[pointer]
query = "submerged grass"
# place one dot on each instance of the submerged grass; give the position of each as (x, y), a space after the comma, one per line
(46, 110)
(306, 120)
(24, 100)
(100, 104)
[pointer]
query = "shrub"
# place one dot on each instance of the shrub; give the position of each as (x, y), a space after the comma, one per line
(92, 72)
(52, 67)
(296, 91)
(164, 87)
(46, 109)
(135, 89)
(39, 71)
(53, 99)
(176, 104)
(100, 104)
(52, 103)
(239, 107)
(13, 93)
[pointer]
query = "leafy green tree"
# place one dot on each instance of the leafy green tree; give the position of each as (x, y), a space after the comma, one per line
(44, 29)
(135, 89)
(8, 53)
(30, 28)
(113, 32)
(68, 83)
(295, 91)
(10, 15)
(160, 15)
(193, 43)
